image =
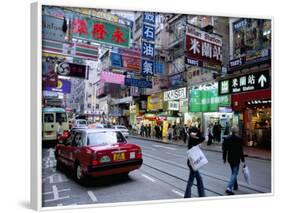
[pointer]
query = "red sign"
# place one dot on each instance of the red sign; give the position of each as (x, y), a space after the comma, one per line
(131, 59)
(203, 47)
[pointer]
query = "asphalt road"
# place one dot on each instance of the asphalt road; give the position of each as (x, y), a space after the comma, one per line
(163, 175)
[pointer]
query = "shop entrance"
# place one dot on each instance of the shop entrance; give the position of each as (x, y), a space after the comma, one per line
(258, 127)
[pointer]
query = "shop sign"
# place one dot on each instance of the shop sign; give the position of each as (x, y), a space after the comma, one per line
(147, 67)
(155, 101)
(241, 23)
(141, 83)
(237, 62)
(225, 109)
(203, 49)
(100, 91)
(96, 30)
(63, 86)
(183, 105)
(148, 49)
(148, 32)
(245, 83)
(176, 94)
(116, 59)
(173, 105)
(207, 100)
(250, 58)
(72, 70)
(52, 28)
(131, 59)
(83, 51)
(149, 17)
(110, 77)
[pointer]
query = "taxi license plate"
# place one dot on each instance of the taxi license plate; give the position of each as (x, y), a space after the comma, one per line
(119, 156)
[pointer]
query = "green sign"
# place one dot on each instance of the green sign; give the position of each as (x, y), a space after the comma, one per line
(96, 30)
(207, 100)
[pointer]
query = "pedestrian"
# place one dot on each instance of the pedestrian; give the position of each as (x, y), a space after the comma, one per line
(233, 153)
(157, 131)
(142, 130)
(149, 130)
(210, 134)
(170, 132)
(217, 131)
(195, 138)
(59, 131)
(184, 133)
(146, 130)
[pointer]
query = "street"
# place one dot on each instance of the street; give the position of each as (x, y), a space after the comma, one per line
(163, 175)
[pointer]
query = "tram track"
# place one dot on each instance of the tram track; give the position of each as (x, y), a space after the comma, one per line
(218, 178)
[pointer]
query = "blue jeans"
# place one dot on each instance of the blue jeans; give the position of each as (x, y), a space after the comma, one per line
(233, 178)
(200, 187)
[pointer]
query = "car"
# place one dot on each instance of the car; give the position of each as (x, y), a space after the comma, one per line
(122, 129)
(96, 153)
(78, 123)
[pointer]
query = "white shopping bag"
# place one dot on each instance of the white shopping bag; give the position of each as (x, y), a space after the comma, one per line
(196, 157)
(247, 175)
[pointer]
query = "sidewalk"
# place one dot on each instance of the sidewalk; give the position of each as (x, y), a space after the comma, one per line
(248, 151)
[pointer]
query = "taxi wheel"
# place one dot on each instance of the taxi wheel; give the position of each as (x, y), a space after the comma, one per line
(79, 176)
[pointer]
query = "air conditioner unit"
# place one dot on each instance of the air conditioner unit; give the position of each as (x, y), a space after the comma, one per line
(169, 58)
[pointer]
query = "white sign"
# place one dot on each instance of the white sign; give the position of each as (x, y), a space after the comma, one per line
(176, 94)
(173, 105)
(196, 32)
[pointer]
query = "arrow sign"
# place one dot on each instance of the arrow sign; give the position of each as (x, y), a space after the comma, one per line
(262, 80)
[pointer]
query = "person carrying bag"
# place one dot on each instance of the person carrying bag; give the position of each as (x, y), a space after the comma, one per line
(195, 160)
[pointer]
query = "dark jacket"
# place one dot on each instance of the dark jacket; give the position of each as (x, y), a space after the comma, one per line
(233, 149)
(194, 141)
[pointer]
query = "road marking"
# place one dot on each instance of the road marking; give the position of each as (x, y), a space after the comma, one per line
(178, 193)
(92, 196)
(164, 147)
(55, 192)
(149, 178)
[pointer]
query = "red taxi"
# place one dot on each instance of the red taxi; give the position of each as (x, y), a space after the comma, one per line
(97, 152)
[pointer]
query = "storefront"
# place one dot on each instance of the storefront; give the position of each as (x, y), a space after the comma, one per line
(254, 111)
(207, 108)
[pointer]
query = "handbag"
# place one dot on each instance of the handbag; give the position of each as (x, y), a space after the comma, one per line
(196, 158)
(246, 173)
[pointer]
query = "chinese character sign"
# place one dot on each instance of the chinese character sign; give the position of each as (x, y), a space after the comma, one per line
(148, 49)
(147, 67)
(244, 83)
(203, 47)
(100, 31)
(149, 17)
(148, 32)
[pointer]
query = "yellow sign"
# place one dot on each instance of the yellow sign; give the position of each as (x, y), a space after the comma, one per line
(155, 101)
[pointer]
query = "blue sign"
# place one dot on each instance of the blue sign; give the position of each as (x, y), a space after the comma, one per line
(147, 49)
(116, 60)
(147, 67)
(64, 86)
(148, 32)
(140, 83)
(176, 80)
(159, 68)
(149, 17)
(52, 28)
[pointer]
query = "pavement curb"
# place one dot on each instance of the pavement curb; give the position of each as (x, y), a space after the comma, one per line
(204, 148)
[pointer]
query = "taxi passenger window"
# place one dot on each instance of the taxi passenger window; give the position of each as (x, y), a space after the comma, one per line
(77, 142)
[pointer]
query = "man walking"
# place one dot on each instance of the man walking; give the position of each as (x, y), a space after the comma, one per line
(233, 153)
(195, 138)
